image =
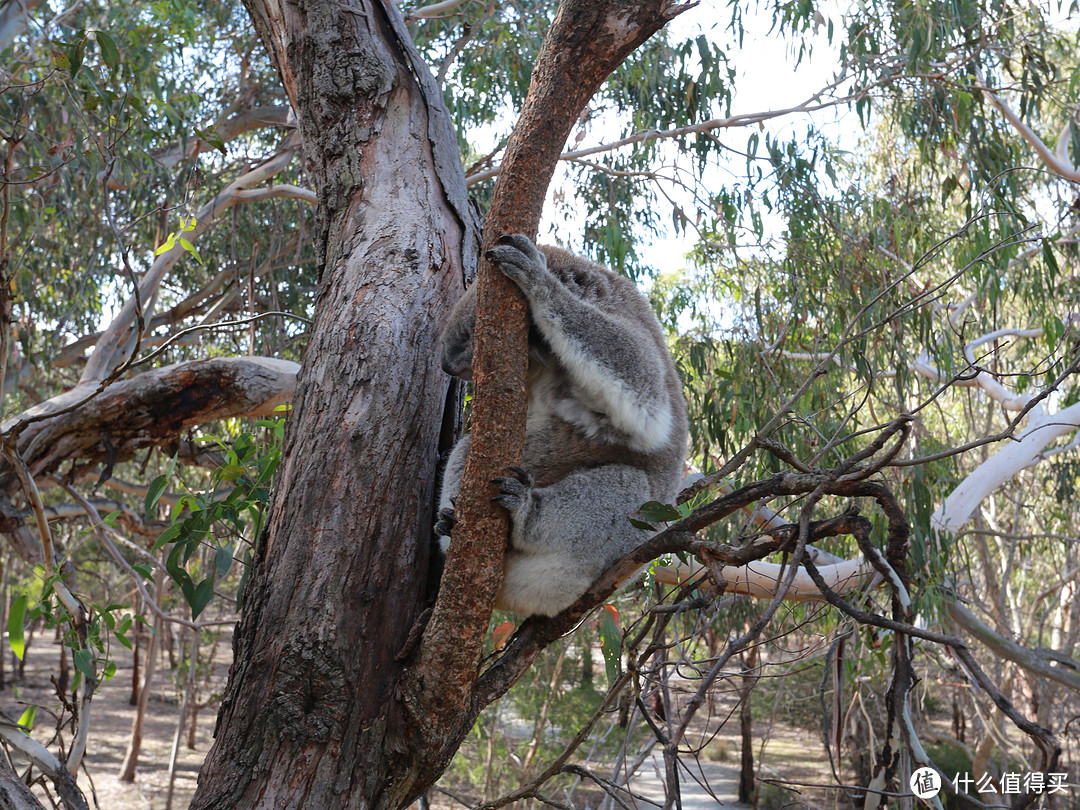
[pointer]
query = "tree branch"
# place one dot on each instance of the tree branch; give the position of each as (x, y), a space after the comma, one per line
(586, 41)
(645, 135)
(147, 410)
(1045, 153)
(1010, 650)
(245, 121)
(118, 334)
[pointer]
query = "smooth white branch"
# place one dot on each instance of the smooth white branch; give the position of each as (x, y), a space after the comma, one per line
(1027, 449)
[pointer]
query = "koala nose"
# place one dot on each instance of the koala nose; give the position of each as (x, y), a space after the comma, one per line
(457, 367)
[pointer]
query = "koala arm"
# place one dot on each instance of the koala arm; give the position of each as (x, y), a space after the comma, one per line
(611, 358)
(457, 336)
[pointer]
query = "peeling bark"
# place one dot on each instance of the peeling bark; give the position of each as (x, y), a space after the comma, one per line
(143, 411)
(148, 410)
(311, 716)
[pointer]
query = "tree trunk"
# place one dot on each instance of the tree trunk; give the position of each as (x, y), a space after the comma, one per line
(335, 699)
(193, 720)
(182, 715)
(131, 756)
(64, 679)
(136, 649)
(311, 717)
(747, 783)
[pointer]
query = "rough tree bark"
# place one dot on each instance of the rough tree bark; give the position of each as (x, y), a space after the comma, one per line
(146, 410)
(143, 411)
(310, 718)
(323, 709)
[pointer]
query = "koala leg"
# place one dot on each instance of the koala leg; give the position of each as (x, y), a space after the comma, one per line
(451, 485)
(565, 535)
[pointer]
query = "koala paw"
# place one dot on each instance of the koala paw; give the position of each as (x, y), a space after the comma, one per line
(515, 490)
(517, 258)
(444, 525)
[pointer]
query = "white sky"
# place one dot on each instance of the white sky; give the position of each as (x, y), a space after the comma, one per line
(766, 79)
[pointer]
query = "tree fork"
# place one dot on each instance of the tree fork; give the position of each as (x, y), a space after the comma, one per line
(586, 42)
(321, 711)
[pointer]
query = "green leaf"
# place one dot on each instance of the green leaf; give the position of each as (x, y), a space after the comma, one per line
(202, 596)
(223, 560)
(122, 631)
(654, 512)
(169, 244)
(143, 570)
(15, 626)
(110, 54)
(75, 53)
(230, 472)
(84, 662)
(190, 248)
(1050, 259)
(213, 139)
(154, 492)
(178, 572)
(168, 536)
(26, 719)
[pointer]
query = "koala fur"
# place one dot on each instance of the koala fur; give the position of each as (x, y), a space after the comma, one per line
(606, 428)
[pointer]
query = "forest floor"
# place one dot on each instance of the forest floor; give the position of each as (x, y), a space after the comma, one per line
(792, 768)
(788, 756)
(112, 716)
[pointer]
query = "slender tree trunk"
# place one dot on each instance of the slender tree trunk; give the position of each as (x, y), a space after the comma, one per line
(138, 634)
(746, 729)
(65, 673)
(131, 756)
(182, 715)
(193, 718)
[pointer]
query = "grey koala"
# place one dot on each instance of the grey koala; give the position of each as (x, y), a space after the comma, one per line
(605, 432)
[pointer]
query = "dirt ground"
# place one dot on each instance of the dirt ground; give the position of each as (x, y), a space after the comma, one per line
(787, 756)
(111, 720)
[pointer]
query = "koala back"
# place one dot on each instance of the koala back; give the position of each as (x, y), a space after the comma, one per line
(568, 428)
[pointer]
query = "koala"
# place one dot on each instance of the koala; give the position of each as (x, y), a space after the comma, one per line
(606, 427)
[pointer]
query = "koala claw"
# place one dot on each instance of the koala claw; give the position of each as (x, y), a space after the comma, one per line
(518, 259)
(514, 489)
(521, 476)
(444, 526)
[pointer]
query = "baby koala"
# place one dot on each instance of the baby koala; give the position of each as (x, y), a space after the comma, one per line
(606, 429)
